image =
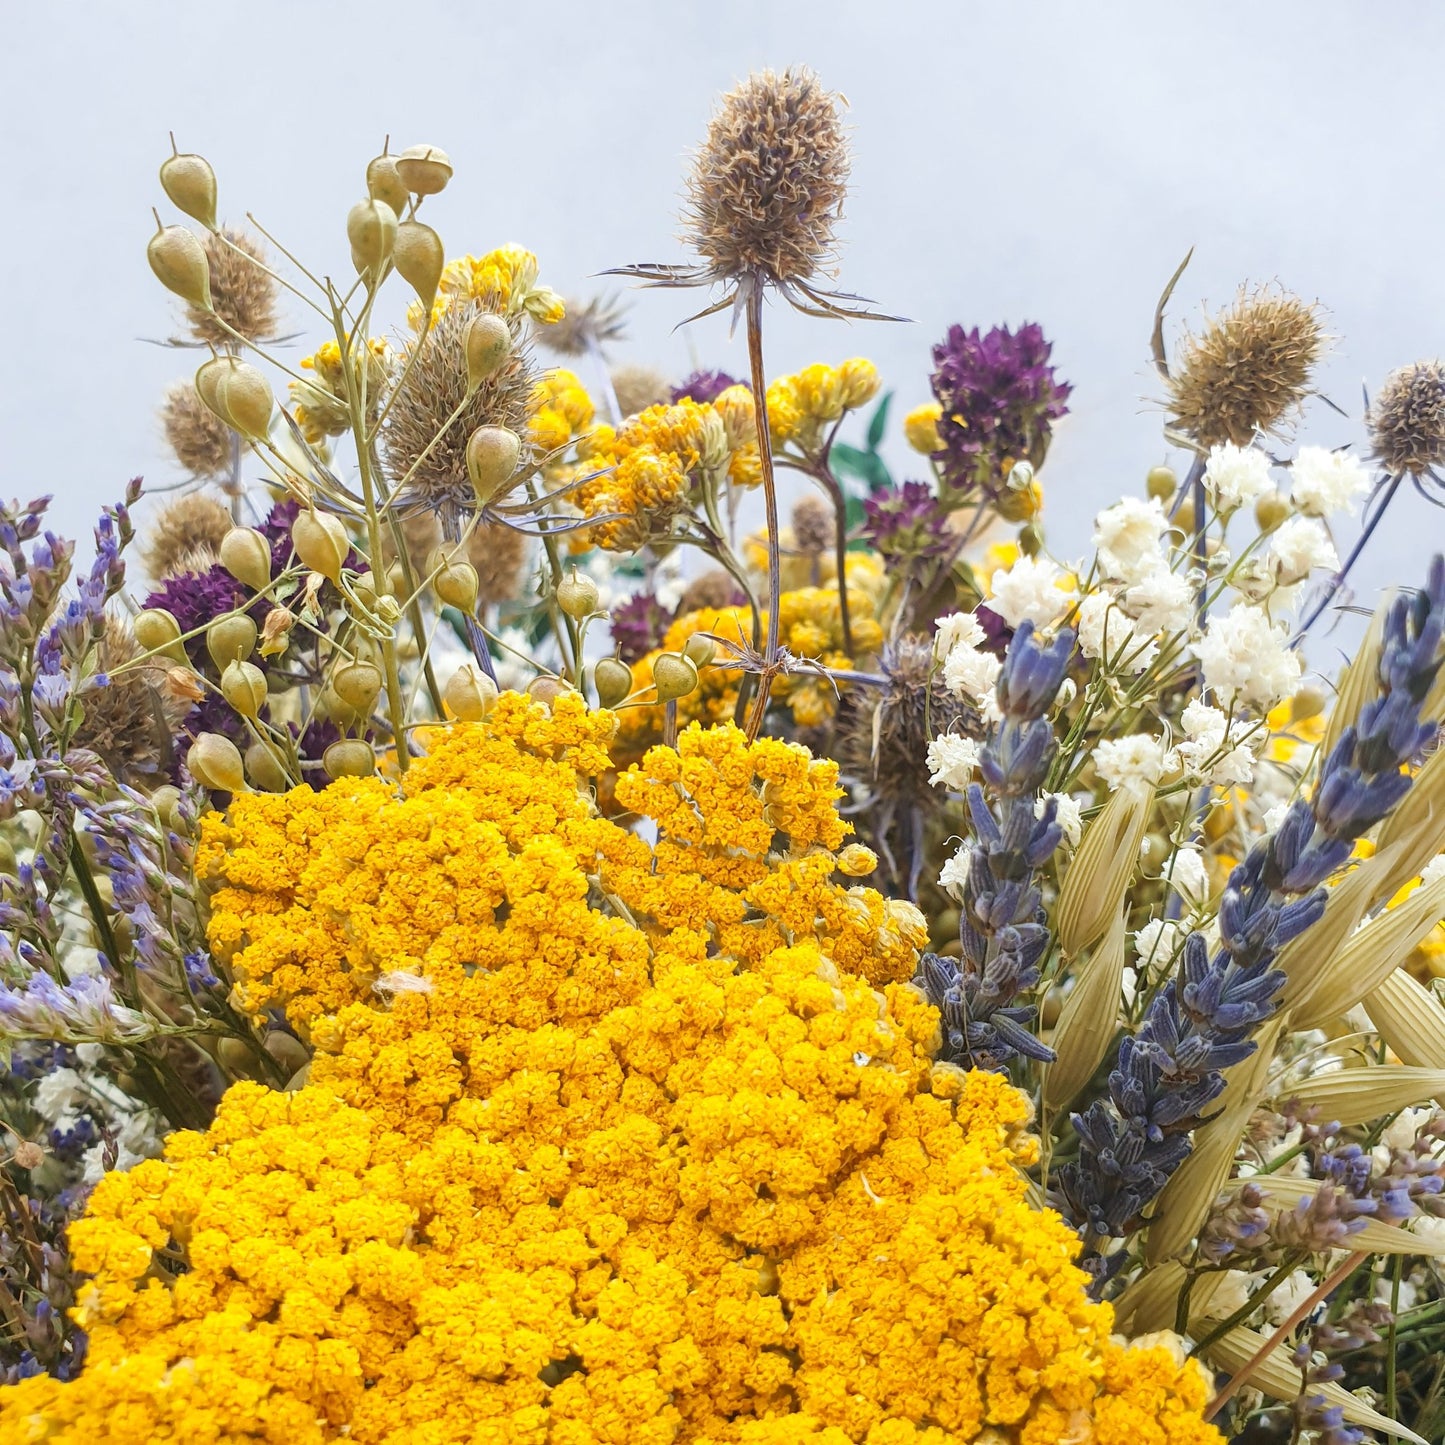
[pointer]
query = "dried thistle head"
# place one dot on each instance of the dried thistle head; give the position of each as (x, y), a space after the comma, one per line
(709, 591)
(498, 553)
(200, 440)
(1248, 370)
(586, 328)
(435, 387)
(1407, 419)
(191, 524)
(242, 294)
(815, 528)
(639, 387)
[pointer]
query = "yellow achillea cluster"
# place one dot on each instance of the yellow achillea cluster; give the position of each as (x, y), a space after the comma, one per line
(505, 280)
(803, 408)
(651, 1148)
(562, 410)
(662, 462)
(319, 401)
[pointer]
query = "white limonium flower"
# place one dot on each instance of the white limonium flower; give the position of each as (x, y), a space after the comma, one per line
(1163, 602)
(952, 760)
(954, 874)
(1127, 535)
(969, 673)
(1235, 476)
(1245, 655)
(1134, 760)
(1322, 481)
(1299, 545)
(1068, 813)
(1033, 589)
(1107, 631)
(954, 630)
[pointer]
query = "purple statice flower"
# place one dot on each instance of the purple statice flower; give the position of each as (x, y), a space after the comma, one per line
(906, 522)
(638, 625)
(704, 386)
(1000, 398)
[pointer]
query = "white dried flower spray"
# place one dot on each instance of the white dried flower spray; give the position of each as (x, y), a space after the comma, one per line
(1127, 538)
(1246, 656)
(1324, 481)
(952, 761)
(1297, 546)
(1033, 588)
(1235, 476)
(1132, 760)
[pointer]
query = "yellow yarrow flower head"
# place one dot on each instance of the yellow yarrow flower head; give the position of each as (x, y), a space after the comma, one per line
(319, 401)
(920, 427)
(802, 408)
(504, 281)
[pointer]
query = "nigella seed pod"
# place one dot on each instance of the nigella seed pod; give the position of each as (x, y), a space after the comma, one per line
(350, 758)
(243, 685)
(546, 689)
(613, 679)
(179, 262)
(700, 649)
(208, 382)
(418, 254)
(231, 639)
(457, 585)
(158, 631)
(492, 456)
(578, 596)
(487, 343)
(371, 228)
(469, 694)
(358, 685)
(166, 802)
(383, 183)
(246, 555)
(674, 675)
(1161, 483)
(321, 543)
(190, 183)
(424, 170)
(264, 769)
(215, 762)
(244, 400)
(1270, 510)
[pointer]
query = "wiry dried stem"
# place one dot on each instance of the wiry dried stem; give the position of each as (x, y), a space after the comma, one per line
(770, 504)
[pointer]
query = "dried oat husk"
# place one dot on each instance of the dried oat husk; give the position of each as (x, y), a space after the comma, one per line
(1089, 1017)
(1360, 683)
(1282, 1193)
(1104, 862)
(1410, 1019)
(1151, 1302)
(1356, 1096)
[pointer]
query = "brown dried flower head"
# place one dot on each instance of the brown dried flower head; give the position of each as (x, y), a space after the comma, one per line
(192, 523)
(200, 440)
(713, 589)
(586, 328)
(499, 554)
(1248, 370)
(1407, 419)
(242, 294)
(639, 387)
(815, 528)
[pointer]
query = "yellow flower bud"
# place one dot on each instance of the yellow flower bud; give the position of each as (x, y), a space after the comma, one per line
(492, 456)
(264, 769)
(701, 649)
(487, 342)
(371, 228)
(246, 555)
(857, 861)
(1161, 483)
(350, 758)
(457, 585)
(231, 639)
(859, 380)
(419, 256)
(190, 183)
(179, 262)
(321, 543)
(424, 170)
(158, 631)
(674, 675)
(215, 762)
(613, 679)
(920, 427)
(357, 684)
(383, 183)
(578, 596)
(469, 694)
(243, 685)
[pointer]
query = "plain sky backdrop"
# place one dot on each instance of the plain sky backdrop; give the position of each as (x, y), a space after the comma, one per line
(1047, 161)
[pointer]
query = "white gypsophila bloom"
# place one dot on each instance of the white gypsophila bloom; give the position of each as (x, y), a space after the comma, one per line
(1233, 1290)
(1205, 729)
(1133, 760)
(1156, 943)
(1274, 817)
(952, 760)
(1068, 813)
(1246, 656)
(1288, 1296)
(57, 1093)
(1299, 545)
(668, 581)
(954, 874)
(1322, 481)
(1030, 590)
(513, 673)
(1431, 1232)
(1203, 724)
(1235, 476)
(1403, 1298)
(1235, 768)
(1108, 632)
(1127, 535)
(1404, 1128)
(1128, 986)
(955, 629)
(1163, 602)
(1188, 876)
(967, 672)
(1434, 870)
(139, 1137)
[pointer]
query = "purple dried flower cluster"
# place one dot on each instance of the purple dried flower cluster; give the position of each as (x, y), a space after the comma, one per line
(638, 625)
(907, 523)
(704, 386)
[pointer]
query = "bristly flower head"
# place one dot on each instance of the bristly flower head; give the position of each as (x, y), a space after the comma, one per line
(999, 396)
(199, 439)
(1249, 370)
(189, 524)
(906, 521)
(586, 327)
(1407, 419)
(243, 293)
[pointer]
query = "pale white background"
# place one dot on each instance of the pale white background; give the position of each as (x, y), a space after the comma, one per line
(1050, 161)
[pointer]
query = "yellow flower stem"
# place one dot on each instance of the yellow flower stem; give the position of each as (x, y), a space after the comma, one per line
(770, 503)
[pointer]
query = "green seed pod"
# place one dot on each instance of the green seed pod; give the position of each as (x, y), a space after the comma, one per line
(1161, 483)
(231, 639)
(546, 689)
(166, 800)
(1308, 702)
(207, 381)
(350, 758)
(357, 684)
(190, 183)
(578, 596)
(674, 675)
(424, 170)
(243, 685)
(1184, 517)
(287, 1050)
(243, 399)
(419, 256)
(180, 264)
(264, 768)
(492, 456)
(701, 649)
(332, 708)
(236, 1060)
(364, 585)
(469, 694)
(321, 543)
(457, 585)
(158, 631)
(487, 342)
(1270, 510)
(385, 185)
(613, 678)
(8, 861)
(1031, 539)
(371, 229)
(215, 763)
(246, 555)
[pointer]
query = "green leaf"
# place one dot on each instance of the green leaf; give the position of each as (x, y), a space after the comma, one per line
(878, 424)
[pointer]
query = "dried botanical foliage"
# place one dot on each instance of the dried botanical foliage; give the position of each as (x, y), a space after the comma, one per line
(434, 388)
(587, 327)
(815, 527)
(243, 295)
(714, 588)
(639, 387)
(421, 532)
(499, 554)
(1248, 370)
(200, 440)
(1407, 419)
(186, 527)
